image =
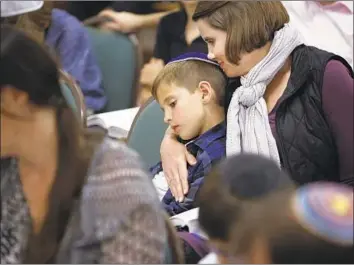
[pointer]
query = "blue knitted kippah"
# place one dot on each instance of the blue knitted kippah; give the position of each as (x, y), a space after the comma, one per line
(326, 210)
(196, 56)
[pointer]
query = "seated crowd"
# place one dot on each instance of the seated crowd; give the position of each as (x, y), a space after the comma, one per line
(257, 159)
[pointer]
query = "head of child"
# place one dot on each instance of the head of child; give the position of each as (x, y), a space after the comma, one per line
(190, 91)
(311, 225)
(235, 181)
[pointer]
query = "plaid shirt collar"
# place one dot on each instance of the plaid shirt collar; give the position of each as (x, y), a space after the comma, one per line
(204, 140)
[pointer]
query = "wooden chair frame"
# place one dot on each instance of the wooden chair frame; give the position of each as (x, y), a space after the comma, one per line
(78, 95)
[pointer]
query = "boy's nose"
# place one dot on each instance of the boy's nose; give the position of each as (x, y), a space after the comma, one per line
(167, 118)
(211, 55)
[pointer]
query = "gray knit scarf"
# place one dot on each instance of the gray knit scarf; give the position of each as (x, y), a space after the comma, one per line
(248, 129)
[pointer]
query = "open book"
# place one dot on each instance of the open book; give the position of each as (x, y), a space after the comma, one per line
(112, 131)
(116, 123)
(189, 219)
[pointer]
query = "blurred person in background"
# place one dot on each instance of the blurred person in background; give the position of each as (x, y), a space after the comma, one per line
(85, 9)
(68, 39)
(327, 25)
(287, 101)
(128, 16)
(16, 13)
(177, 34)
(67, 195)
(311, 225)
(131, 16)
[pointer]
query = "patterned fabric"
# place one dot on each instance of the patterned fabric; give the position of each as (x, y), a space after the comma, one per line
(208, 149)
(15, 220)
(71, 41)
(120, 220)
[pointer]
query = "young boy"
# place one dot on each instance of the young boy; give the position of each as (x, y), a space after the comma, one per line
(190, 91)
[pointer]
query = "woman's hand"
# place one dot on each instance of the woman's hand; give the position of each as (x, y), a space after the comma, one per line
(150, 71)
(125, 22)
(174, 158)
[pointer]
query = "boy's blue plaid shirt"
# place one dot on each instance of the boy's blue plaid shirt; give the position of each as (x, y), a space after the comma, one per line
(208, 149)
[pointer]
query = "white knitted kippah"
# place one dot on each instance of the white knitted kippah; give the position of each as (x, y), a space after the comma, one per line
(11, 8)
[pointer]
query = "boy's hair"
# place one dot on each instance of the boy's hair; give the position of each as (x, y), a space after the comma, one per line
(273, 221)
(189, 74)
(249, 24)
(236, 180)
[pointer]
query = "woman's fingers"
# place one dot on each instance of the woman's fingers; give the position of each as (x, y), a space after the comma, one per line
(107, 13)
(110, 26)
(190, 159)
(174, 164)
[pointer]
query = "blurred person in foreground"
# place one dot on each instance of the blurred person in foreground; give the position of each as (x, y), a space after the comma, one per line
(67, 195)
(311, 225)
(235, 181)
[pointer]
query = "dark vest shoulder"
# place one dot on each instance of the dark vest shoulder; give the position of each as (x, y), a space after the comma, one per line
(305, 142)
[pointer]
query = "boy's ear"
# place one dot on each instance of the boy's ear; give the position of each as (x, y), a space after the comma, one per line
(206, 91)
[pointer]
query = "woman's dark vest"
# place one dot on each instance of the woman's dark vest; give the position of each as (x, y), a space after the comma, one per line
(305, 143)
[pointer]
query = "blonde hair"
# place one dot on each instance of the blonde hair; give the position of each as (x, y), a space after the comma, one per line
(189, 74)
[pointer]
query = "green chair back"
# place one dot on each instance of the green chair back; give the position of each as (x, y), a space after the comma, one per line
(118, 57)
(147, 132)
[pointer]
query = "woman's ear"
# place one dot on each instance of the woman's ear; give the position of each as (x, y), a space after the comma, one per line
(15, 102)
(206, 91)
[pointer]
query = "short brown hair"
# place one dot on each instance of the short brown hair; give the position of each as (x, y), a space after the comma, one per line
(249, 24)
(189, 74)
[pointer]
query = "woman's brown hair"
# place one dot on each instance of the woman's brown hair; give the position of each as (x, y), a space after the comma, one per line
(249, 24)
(28, 67)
